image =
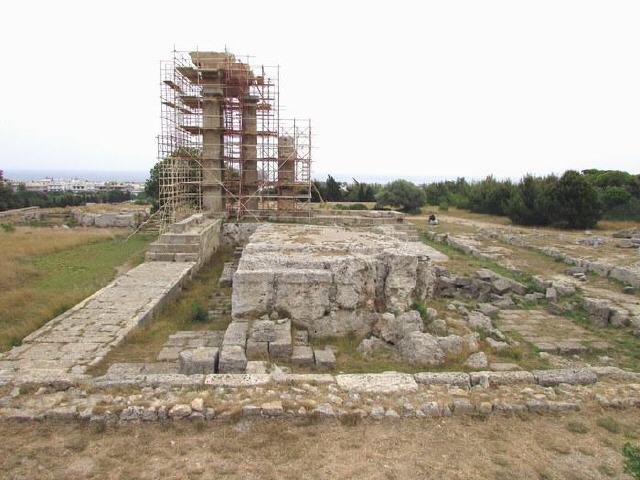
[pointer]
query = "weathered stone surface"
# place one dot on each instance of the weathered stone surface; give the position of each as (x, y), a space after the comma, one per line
(477, 361)
(236, 334)
(479, 321)
(263, 331)
(256, 367)
(202, 360)
(319, 276)
(325, 359)
(232, 359)
(597, 309)
(578, 376)
(438, 327)
(272, 409)
(302, 356)
(282, 346)
(501, 378)
(459, 379)
(495, 345)
(421, 349)
(489, 310)
(453, 345)
(370, 346)
(236, 380)
(392, 329)
(257, 350)
(388, 382)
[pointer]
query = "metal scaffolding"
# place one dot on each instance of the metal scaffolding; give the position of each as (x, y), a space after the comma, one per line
(223, 147)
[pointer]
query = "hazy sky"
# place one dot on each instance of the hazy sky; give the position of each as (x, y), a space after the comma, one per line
(421, 88)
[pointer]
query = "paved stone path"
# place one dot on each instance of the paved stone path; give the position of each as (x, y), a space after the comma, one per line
(66, 346)
(549, 333)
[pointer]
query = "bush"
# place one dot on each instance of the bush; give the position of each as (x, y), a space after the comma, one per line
(444, 206)
(402, 194)
(632, 462)
(199, 314)
(7, 227)
(575, 202)
(353, 206)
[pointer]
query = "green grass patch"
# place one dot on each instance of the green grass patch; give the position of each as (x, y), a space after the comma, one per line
(61, 279)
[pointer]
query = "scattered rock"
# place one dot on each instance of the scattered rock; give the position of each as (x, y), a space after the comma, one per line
(477, 361)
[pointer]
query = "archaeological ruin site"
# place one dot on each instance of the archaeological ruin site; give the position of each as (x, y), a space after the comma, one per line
(323, 312)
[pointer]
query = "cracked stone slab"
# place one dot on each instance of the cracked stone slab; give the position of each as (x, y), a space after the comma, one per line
(237, 380)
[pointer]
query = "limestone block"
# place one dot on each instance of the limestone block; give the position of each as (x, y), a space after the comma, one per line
(253, 293)
(477, 361)
(256, 367)
(392, 329)
(302, 356)
(355, 283)
(202, 360)
(369, 346)
(303, 294)
(325, 359)
(419, 348)
(236, 334)
(597, 309)
(388, 382)
(232, 359)
(282, 346)
(578, 376)
(263, 331)
(502, 378)
(479, 321)
(257, 350)
(453, 345)
(459, 379)
(489, 310)
(400, 281)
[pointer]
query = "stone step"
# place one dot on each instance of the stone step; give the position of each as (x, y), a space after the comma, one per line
(174, 248)
(179, 238)
(159, 257)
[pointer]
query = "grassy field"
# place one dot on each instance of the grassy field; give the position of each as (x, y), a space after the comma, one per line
(45, 271)
(578, 446)
(143, 344)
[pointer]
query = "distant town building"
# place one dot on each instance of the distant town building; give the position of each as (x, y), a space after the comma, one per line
(75, 185)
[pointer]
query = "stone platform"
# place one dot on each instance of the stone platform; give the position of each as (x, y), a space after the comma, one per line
(66, 346)
(330, 280)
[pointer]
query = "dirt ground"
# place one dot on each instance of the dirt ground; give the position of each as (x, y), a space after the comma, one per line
(582, 445)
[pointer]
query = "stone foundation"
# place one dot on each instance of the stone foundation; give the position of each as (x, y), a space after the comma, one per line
(330, 280)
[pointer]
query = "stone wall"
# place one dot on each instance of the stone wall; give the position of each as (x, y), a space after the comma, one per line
(330, 280)
(109, 220)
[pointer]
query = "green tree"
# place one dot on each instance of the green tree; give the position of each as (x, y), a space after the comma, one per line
(333, 190)
(403, 195)
(575, 202)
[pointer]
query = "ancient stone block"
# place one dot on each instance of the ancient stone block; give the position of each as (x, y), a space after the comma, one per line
(236, 334)
(302, 356)
(257, 350)
(232, 359)
(201, 360)
(263, 331)
(325, 359)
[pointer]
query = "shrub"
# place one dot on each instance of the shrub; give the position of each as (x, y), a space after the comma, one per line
(402, 194)
(575, 202)
(422, 310)
(7, 227)
(198, 313)
(444, 206)
(632, 462)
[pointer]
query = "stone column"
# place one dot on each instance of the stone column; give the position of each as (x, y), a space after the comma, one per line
(249, 153)
(212, 144)
(286, 172)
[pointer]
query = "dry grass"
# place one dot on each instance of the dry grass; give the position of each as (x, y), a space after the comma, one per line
(46, 271)
(526, 447)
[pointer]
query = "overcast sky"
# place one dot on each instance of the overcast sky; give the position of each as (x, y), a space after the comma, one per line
(430, 88)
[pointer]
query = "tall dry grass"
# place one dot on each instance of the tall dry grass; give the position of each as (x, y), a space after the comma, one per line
(45, 271)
